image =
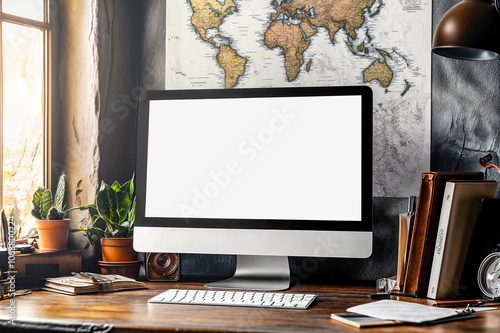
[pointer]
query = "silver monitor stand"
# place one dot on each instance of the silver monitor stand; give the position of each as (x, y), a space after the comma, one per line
(263, 273)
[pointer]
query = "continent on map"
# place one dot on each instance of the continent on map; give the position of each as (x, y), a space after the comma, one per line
(380, 71)
(207, 17)
(232, 63)
(290, 39)
(296, 21)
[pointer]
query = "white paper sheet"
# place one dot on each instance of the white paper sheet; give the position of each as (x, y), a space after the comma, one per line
(403, 311)
(479, 309)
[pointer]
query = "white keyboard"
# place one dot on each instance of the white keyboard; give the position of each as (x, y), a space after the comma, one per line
(235, 298)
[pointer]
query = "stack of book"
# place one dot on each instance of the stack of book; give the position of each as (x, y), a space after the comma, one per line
(82, 283)
(454, 210)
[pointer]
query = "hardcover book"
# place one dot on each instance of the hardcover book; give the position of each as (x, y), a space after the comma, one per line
(460, 209)
(423, 238)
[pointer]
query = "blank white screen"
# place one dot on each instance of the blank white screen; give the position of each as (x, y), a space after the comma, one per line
(292, 158)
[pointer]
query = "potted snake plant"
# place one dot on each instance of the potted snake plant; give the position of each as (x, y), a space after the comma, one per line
(48, 210)
(113, 224)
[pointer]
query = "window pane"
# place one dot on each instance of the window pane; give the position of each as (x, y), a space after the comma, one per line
(31, 9)
(23, 116)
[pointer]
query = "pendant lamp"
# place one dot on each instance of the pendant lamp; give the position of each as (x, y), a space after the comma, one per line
(470, 30)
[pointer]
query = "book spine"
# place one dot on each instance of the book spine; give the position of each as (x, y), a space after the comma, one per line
(437, 260)
(419, 233)
(403, 237)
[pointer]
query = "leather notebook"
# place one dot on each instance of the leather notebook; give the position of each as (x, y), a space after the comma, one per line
(423, 240)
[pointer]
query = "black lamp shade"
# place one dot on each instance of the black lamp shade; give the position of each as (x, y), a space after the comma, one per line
(469, 30)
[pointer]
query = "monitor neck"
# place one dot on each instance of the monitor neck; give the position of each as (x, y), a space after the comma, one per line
(263, 273)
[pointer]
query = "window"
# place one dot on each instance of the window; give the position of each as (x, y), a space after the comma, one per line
(24, 34)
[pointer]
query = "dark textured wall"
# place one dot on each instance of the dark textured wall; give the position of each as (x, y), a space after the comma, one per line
(118, 86)
(152, 48)
(465, 109)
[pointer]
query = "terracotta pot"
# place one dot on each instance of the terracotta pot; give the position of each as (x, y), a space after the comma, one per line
(53, 235)
(118, 250)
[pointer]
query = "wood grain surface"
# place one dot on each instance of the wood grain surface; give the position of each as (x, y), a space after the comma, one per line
(129, 312)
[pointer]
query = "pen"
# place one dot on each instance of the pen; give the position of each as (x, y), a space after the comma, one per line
(459, 303)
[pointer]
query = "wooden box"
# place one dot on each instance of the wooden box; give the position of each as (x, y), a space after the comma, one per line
(39, 265)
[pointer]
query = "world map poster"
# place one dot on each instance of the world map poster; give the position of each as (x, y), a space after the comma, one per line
(230, 44)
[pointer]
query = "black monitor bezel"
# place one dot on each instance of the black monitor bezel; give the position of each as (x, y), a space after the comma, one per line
(366, 159)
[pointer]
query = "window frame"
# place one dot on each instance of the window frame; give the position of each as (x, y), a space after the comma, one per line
(49, 26)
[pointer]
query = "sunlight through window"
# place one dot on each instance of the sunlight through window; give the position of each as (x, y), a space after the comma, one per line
(23, 111)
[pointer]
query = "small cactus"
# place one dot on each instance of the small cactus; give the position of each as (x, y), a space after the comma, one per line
(55, 214)
(48, 207)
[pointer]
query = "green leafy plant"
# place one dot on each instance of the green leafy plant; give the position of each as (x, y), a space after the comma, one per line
(115, 206)
(47, 206)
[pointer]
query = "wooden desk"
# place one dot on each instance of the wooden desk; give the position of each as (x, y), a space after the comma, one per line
(129, 312)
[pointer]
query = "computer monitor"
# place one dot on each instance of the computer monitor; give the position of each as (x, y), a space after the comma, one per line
(259, 173)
